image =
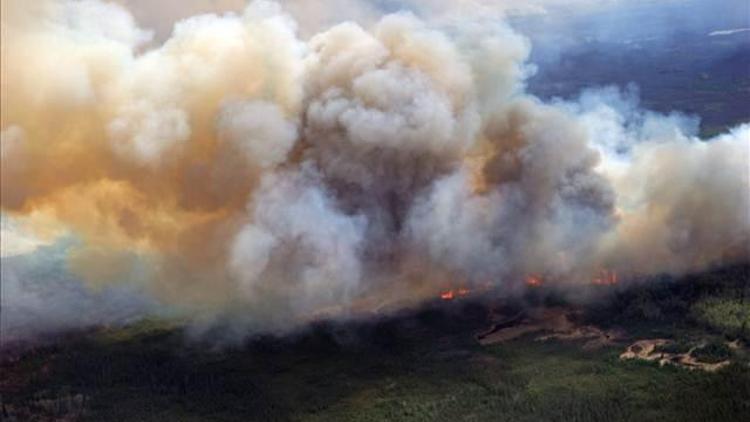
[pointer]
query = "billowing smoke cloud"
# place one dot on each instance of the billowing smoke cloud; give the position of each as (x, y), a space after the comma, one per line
(241, 171)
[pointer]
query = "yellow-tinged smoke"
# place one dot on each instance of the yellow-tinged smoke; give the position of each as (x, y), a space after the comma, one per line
(277, 176)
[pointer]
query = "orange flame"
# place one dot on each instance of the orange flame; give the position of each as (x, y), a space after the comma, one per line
(533, 280)
(605, 278)
(452, 294)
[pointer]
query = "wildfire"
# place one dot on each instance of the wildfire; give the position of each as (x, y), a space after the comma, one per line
(533, 280)
(605, 278)
(452, 294)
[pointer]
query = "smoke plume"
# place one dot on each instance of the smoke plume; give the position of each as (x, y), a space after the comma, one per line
(268, 170)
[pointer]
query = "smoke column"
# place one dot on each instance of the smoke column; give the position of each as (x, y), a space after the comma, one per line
(259, 169)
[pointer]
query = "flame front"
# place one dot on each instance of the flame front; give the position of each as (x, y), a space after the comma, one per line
(605, 278)
(533, 280)
(454, 293)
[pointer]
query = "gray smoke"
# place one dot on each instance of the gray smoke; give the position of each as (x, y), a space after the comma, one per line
(258, 172)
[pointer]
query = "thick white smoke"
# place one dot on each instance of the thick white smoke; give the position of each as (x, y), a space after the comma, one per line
(243, 172)
(298, 250)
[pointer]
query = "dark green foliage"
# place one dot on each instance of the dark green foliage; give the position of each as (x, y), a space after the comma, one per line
(713, 352)
(423, 366)
(663, 301)
(727, 315)
(674, 347)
